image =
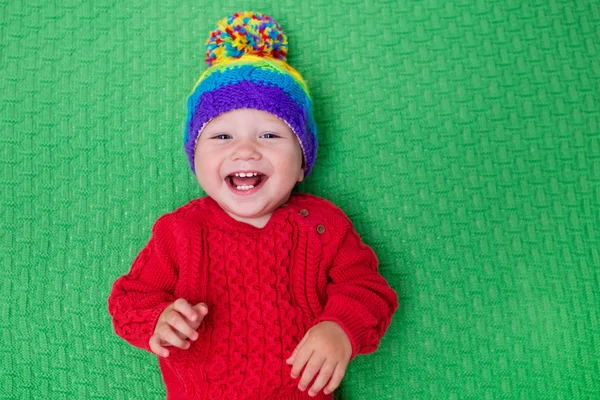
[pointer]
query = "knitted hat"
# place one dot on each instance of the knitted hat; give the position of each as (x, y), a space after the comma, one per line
(246, 56)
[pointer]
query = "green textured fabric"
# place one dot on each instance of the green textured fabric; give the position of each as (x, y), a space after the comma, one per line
(462, 138)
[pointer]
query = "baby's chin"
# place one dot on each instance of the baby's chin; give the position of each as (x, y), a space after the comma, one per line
(250, 210)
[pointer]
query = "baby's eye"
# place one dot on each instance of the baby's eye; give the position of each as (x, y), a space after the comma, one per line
(269, 136)
(222, 136)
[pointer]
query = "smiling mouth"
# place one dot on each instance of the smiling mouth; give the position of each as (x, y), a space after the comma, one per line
(245, 181)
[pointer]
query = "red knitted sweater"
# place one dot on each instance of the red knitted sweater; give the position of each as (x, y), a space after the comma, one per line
(264, 287)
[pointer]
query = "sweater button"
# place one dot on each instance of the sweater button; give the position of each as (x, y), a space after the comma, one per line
(304, 213)
(320, 229)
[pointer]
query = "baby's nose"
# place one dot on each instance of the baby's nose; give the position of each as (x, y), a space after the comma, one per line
(246, 151)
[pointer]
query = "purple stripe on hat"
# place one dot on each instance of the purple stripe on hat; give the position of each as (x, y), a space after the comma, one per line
(247, 94)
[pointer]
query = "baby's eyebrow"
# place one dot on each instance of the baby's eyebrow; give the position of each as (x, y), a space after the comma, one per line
(274, 126)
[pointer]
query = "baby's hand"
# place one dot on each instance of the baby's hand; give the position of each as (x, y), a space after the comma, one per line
(326, 348)
(176, 324)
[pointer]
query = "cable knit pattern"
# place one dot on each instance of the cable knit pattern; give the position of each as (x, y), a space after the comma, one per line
(264, 287)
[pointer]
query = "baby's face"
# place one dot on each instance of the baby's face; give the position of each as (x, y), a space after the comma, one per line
(258, 145)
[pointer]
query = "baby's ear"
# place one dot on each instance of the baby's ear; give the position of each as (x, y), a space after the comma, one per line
(301, 176)
(302, 169)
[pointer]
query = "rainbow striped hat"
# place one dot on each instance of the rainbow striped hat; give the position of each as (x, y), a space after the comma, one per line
(247, 68)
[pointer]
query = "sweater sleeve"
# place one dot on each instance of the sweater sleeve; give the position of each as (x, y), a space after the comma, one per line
(138, 298)
(358, 297)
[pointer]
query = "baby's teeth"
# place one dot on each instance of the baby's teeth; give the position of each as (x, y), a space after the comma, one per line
(244, 187)
(243, 175)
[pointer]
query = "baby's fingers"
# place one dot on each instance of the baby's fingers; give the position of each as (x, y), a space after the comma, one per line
(336, 379)
(326, 372)
(170, 337)
(176, 321)
(201, 310)
(314, 365)
(182, 306)
(300, 359)
(156, 347)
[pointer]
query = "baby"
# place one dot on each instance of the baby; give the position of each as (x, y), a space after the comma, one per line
(252, 292)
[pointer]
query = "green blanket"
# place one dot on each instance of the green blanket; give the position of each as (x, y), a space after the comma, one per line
(462, 138)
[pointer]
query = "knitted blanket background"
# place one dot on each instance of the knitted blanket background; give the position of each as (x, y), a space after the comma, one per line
(461, 137)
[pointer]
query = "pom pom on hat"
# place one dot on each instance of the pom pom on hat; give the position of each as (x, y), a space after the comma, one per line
(246, 32)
